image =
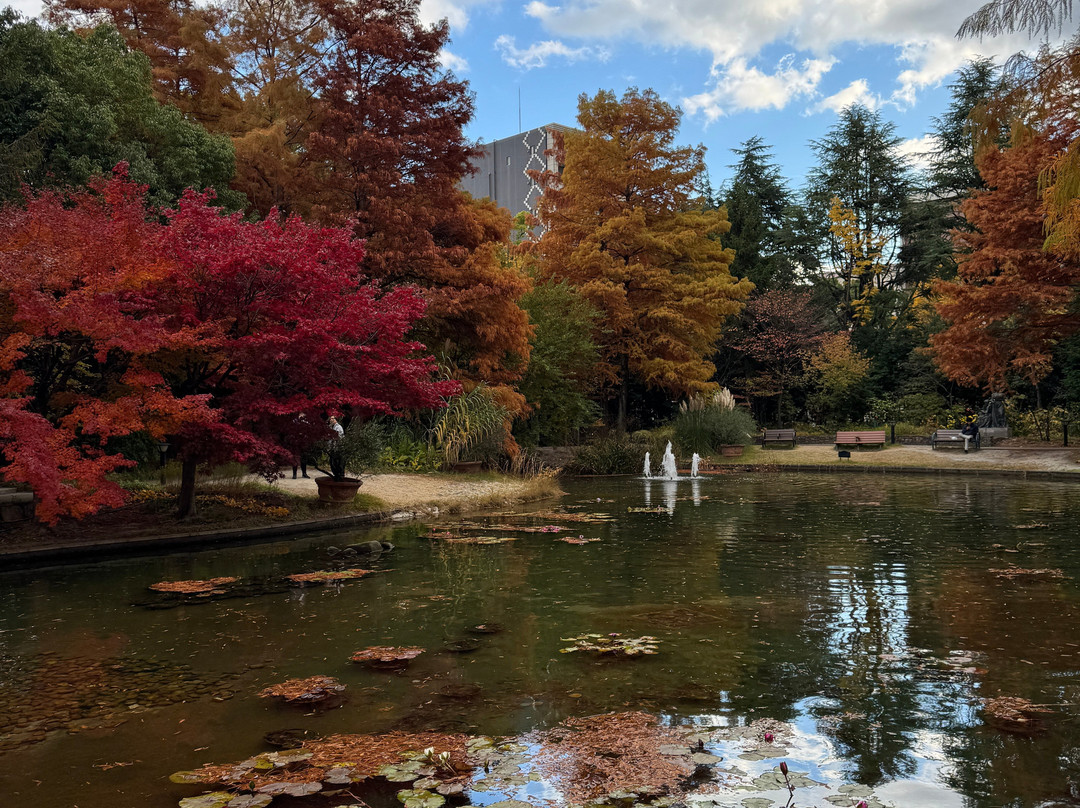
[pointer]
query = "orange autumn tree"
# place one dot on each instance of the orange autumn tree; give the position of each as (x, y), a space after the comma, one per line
(276, 47)
(625, 226)
(392, 144)
(184, 42)
(1012, 302)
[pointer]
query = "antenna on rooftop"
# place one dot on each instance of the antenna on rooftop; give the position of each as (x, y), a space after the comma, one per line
(519, 107)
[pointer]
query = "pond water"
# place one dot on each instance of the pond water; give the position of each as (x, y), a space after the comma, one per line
(870, 614)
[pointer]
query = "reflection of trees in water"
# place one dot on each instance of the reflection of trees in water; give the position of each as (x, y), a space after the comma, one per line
(875, 720)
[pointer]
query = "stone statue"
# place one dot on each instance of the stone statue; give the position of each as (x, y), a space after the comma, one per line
(993, 414)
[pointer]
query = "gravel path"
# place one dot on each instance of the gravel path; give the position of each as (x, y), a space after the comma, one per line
(1026, 459)
(414, 490)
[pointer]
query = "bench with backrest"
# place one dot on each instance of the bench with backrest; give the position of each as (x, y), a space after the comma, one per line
(954, 437)
(860, 439)
(778, 436)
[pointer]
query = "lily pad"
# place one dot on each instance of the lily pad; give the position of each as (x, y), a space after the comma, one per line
(704, 759)
(250, 801)
(613, 643)
(186, 778)
(291, 789)
(215, 799)
(420, 798)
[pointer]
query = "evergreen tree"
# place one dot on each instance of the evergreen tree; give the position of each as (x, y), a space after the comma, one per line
(757, 201)
(73, 106)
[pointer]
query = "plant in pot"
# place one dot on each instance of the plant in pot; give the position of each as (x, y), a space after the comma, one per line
(470, 425)
(343, 458)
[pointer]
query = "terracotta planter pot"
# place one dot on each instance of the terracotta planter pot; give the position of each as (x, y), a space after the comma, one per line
(337, 492)
(470, 467)
(735, 450)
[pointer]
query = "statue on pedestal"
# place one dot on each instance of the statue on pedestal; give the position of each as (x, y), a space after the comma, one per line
(993, 414)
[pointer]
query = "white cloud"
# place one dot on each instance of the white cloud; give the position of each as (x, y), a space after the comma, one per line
(739, 86)
(451, 61)
(456, 12)
(735, 34)
(917, 151)
(28, 8)
(858, 92)
(538, 53)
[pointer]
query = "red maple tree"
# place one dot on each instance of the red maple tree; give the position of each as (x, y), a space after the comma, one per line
(279, 326)
(77, 334)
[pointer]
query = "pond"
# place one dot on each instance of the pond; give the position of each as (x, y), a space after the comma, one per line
(871, 616)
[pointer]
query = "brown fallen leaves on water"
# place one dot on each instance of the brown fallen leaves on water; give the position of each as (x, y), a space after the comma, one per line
(191, 587)
(314, 688)
(387, 654)
(325, 576)
(362, 755)
(1014, 714)
(594, 756)
(1012, 573)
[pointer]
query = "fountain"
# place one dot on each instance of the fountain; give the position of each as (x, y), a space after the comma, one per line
(648, 471)
(695, 461)
(667, 465)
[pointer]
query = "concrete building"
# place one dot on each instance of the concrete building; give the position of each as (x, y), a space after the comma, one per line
(502, 167)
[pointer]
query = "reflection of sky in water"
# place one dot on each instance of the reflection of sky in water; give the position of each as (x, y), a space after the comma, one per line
(864, 614)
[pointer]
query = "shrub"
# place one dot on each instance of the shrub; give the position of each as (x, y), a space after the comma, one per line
(610, 455)
(703, 425)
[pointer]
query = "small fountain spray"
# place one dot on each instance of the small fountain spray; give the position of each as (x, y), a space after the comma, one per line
(667, 465)
(648, 471)
(695, 461)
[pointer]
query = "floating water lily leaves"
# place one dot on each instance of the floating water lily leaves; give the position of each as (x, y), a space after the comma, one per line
(613, 643)
(757, 802)
(401, 772)
(250, 801)
(215, 799)
(186, 778)
(279, 760)
(420, 798)
(290, 789)
(770, 780)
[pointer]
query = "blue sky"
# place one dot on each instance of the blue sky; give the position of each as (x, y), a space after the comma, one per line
(775, 68)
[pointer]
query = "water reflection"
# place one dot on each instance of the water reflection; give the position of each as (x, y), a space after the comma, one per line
(873, 618)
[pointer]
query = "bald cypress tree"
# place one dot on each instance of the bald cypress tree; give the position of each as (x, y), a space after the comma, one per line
(625, 226)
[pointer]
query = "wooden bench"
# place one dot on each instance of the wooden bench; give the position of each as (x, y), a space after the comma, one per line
(861, 439)
(954, 437)
(778, 436)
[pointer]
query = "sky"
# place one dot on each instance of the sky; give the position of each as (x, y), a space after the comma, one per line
(778, 69)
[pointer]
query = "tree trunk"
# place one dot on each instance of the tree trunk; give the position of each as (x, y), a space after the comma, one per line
(624, 395)
(186, 505)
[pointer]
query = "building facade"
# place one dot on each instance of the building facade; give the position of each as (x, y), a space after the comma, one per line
(502, 168)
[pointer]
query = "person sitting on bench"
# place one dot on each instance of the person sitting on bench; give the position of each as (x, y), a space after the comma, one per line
(970, 429)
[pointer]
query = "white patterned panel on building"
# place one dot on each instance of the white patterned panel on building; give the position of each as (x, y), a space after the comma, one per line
(536, 141)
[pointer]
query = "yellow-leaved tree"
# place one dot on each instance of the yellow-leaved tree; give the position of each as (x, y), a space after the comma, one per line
(624, 224)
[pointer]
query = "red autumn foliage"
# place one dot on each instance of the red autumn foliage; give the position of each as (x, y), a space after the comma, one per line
(77, 332)
(392, 130)
(236, 337)
(282, 326)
